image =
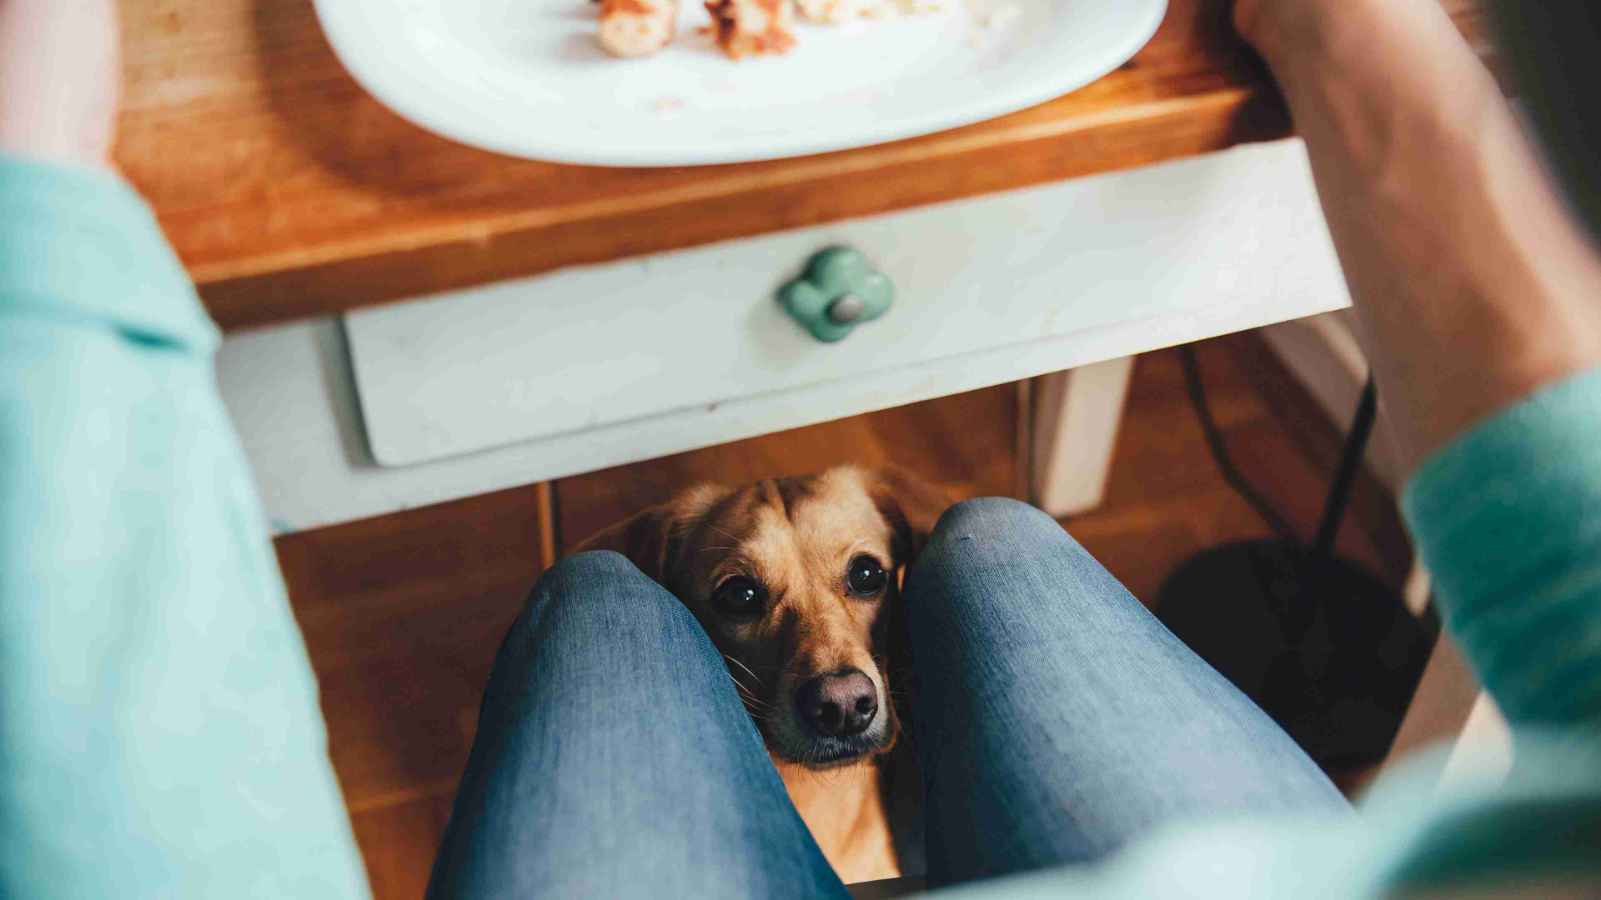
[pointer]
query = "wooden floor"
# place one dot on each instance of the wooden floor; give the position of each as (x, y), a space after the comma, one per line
(402, 614)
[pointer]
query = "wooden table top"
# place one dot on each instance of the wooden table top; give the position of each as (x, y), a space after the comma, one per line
(289, 192)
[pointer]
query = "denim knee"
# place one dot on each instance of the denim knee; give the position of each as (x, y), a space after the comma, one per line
(993, 525)
(592, 564)
(606, 582)
(1007, 540)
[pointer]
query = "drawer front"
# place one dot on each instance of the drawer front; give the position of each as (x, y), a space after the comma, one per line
(591, 347)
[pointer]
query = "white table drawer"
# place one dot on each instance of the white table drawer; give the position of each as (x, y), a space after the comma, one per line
(510, 384)
(591, 347)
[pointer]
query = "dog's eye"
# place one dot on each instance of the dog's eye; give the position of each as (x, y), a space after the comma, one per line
(740, 598)
(865, 576)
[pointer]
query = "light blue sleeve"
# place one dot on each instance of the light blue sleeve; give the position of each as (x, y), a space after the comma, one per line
(160, 734)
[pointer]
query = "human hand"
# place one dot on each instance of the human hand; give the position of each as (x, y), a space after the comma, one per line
(60, 78)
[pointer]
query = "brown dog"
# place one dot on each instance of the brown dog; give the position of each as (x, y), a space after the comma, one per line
(797, 581)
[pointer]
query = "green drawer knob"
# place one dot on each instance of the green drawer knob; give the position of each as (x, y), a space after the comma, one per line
(838, 291)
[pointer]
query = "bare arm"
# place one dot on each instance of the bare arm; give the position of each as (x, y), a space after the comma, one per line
(1473, 284)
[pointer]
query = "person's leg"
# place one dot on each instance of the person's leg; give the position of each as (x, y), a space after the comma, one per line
(1057, 718)
(614, 759)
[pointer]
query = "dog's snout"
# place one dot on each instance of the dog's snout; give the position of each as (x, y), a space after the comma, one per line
(841, 704)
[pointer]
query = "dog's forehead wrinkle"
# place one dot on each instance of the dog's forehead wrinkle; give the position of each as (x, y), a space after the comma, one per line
(716, 530)
(723, 537)
(834, 519)
(769, 544)
(770, 494)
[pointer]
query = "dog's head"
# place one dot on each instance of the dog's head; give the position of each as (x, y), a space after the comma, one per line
(797, 581)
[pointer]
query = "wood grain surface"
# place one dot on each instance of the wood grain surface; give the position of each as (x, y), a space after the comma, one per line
(289, 192)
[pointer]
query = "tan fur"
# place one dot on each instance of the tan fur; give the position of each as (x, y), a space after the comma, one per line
(848, 817)
(796, 536)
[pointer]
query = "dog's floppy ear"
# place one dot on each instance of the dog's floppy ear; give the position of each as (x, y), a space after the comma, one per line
(911, 506)
(653, 539)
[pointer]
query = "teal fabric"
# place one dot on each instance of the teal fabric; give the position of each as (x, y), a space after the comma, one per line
(159, 728)
(1510, 519)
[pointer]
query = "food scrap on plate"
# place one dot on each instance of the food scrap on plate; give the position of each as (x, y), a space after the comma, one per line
(631, 28)
(636, 27)
(749, 27)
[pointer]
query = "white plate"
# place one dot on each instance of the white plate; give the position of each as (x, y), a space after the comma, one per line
(526, 78)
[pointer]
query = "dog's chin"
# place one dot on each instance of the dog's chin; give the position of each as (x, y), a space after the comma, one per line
(834, 752)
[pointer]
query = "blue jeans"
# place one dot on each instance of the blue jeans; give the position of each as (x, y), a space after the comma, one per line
(1056, 720)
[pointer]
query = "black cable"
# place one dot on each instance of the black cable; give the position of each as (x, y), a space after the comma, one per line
(1220, 451)
(1356, 442)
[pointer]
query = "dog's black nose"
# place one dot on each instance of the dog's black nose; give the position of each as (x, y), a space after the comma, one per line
(838, 705)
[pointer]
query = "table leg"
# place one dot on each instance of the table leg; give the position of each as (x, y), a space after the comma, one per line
(1075, 420)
